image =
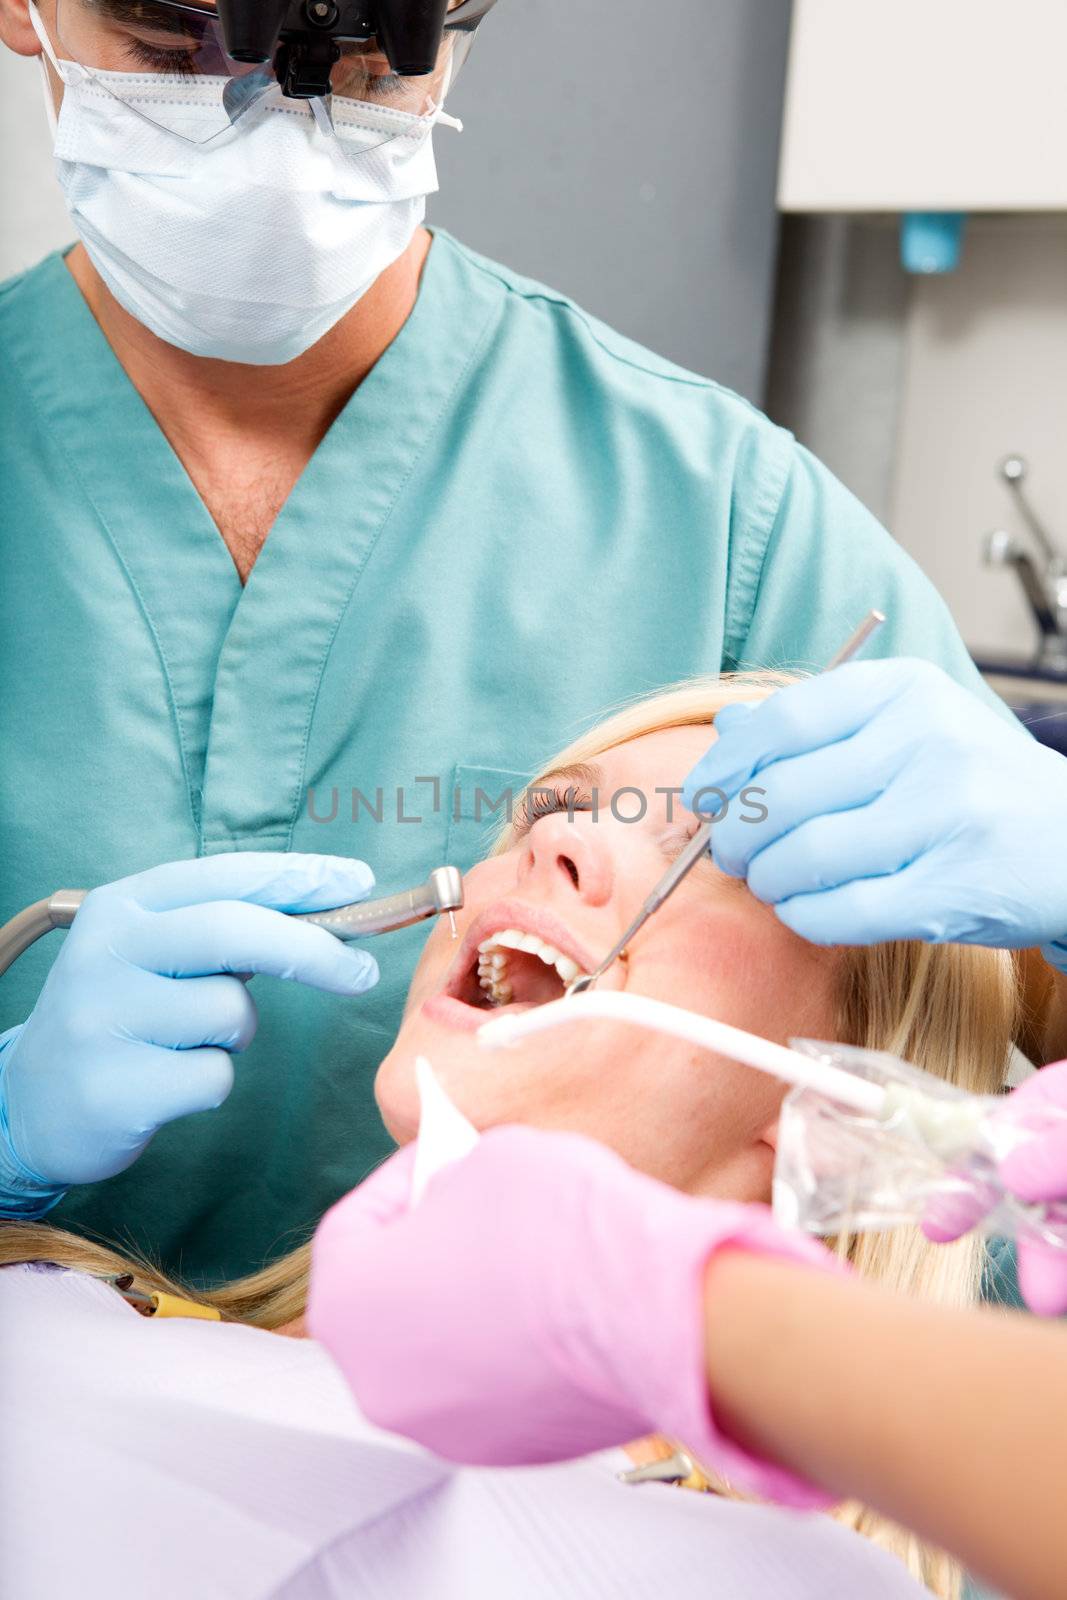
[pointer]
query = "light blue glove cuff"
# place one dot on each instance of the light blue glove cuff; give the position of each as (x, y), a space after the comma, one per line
(1056, 954)
(23, 1195)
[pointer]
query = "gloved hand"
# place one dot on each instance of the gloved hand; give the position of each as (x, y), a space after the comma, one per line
(899, 807)
(1035, 1170)
(137, 1016)
(543, 1301)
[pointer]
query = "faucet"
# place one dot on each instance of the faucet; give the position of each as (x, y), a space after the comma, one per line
(1044, 582)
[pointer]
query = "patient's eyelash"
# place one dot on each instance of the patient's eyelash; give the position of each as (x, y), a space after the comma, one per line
(546, 802)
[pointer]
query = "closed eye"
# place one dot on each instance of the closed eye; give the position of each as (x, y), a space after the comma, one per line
(547, 801)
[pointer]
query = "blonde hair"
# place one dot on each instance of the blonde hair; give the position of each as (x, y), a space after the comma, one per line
(950, 1009)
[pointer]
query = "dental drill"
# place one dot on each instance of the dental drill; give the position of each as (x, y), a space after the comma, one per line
(442, 893)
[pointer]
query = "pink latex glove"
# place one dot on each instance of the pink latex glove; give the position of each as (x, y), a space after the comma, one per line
(544, 1301)
(1033, 1171)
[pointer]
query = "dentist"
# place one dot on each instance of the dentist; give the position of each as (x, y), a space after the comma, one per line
(317, 527)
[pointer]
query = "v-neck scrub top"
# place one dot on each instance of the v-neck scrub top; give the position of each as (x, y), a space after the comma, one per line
(518, 519)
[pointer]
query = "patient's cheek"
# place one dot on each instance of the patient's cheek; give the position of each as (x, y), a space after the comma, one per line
(736, 961)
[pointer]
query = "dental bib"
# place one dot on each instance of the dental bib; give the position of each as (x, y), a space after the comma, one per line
(444, 1134)
(251, 247)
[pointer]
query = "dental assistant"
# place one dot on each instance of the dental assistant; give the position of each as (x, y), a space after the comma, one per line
(544, 1301)
(319, 530)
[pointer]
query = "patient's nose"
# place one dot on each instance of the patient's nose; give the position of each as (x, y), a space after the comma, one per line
(565, 858)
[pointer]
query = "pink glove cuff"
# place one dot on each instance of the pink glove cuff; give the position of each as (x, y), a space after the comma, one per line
(684, 1408)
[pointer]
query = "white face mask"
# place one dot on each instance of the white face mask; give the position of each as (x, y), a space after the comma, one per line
(252, 247)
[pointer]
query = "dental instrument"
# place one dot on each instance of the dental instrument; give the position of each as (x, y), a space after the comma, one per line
(441, 893)
(700, 843)
(855, 643)
(866, 1141)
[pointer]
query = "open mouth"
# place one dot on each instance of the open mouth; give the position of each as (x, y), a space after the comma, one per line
(505, 965)
(515, 968)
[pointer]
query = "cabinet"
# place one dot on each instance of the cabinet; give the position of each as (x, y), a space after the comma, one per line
(925, 105)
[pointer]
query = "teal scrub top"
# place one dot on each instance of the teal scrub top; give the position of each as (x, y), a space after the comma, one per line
(518, 519)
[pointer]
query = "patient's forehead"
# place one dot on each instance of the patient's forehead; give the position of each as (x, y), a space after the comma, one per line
(662, 759)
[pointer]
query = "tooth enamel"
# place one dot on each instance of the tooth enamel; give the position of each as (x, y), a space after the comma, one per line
(515, 939)
(493, 961)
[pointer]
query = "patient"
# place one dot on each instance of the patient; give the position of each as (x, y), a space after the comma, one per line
(565, 879)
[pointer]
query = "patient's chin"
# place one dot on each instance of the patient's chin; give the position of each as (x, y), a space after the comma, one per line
(397, 1095)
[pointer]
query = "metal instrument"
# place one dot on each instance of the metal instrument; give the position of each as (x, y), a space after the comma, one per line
(442, 892)
(157, 1303)
(678, 1469)
(697, 847)
(700, 843)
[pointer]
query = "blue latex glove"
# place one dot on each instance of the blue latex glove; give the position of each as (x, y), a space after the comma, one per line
(898, 807)
(141, 1010)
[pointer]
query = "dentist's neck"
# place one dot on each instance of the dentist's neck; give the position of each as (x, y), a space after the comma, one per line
(196, 400)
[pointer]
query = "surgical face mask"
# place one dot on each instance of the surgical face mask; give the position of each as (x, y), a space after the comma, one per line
(251, 246)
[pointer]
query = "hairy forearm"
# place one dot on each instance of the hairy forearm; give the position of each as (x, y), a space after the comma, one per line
(953, 1423)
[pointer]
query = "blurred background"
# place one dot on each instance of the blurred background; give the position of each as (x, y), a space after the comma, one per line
(855, 215)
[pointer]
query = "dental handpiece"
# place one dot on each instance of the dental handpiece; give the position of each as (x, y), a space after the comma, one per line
(441, 893)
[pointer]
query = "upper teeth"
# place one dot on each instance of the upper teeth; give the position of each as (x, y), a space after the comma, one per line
(493, 961)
